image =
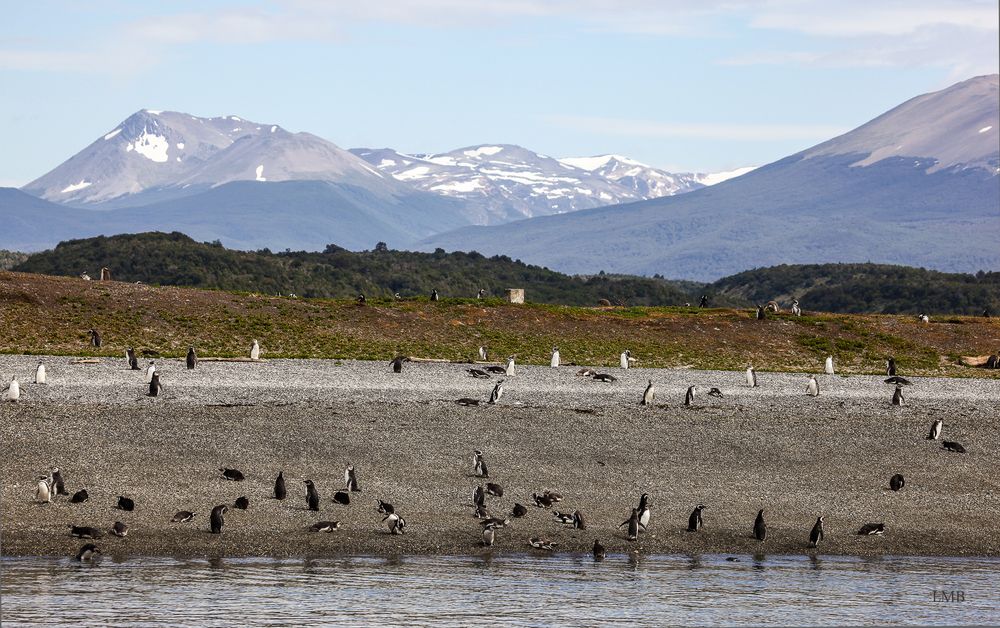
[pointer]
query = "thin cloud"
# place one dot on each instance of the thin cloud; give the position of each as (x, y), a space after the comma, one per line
(703, 131)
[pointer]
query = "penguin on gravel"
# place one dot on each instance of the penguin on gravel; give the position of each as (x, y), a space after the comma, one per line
(217, 519)
(647, 396)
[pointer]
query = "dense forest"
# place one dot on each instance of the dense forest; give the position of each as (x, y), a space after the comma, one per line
(10, 259)
(177, 260)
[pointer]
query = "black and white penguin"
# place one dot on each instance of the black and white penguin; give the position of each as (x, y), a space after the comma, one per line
(759, 527)
(897, 397)
(647, 396)
(479, 464)
(125, 503)
(494, 490)
(242, 502)
(761, 315)
(633, 525)
(812, 388)
(255, 351)
(385, 508)
(43, 490)
(703, 302)
(828, 365)
(509, 369)
(497, 392)
(192, 359)
(715, 392)
(325, 526)
(468, 401)
(872, 529)
(155, 387)
(362, 299)
(342, 497)
(695, 522)
(87, 553)
(579, 522)
(233, 475)
(434, 295)
(95, 338)
(953, 446)
(751, 377)
(351, 479)
(85, 532)
(216, 519)
(482, 354)
(519, 511)
(644, 512)
(543, 501)
(497, 370)
(119, 529)
(554, 358)
(481, 294)
(689, 395)
(897, 482)
(478, 496)
(816, 534)
(563, 517)
(890, 367)
(599, 550)
(796, 310)
(40, 374)
(395, 523)
(478, 374)
(57, 481)
(923, 318)
(133, 361)
(150, 369)
(605, 377)
(79, 497)
(182, 516)
(312, 496)
(397, 363)
(538, 542)
(489, 536)
(896, 380)
(935, 432)
(481, 512)
(279, 486)
(13, 391)
(625, 359)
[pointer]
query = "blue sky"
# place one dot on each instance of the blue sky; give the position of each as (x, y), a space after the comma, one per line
(707, 85)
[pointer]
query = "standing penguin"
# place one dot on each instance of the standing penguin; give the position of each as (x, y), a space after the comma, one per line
(509, 369)
(796, 310)
(497, 392)
(133, 362)
(312, 496)
(759, 527)
(695, 522)
(689, 395)
(480, 464)
(396, 523)
(192, 359)
(751, 377)
(897, 397)
(279, 486)
(351, 479)
(434, 295)
(87, 552)
(760, 313)
(155, 387)
(828, 366)
(216, 518)
(554, 360)
(482, 353)
(40, 373)
(633, 525)
(149, 371)
(647, 397)
(813, 388)
(890, 367)
(397, 363)
(57, 482)
(897, 482)
(643, 511)
(95, 338)
(255, 350)
(13, 392)
(43, 490)
(816, 535)
(625, 358)
(935, 432)
(489, 535)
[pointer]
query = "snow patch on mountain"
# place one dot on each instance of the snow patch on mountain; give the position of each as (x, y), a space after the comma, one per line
(260, 173)
(715, 178)
(76, 186)
(113, 133)
(151, 146)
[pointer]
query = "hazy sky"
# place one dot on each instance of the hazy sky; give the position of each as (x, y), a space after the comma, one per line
(687, 85)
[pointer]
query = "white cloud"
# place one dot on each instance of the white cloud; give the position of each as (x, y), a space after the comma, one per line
(703, 131)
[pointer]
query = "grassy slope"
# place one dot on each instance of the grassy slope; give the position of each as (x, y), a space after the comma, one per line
(43, 314)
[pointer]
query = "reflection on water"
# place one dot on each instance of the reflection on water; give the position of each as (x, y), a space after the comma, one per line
(514, 590)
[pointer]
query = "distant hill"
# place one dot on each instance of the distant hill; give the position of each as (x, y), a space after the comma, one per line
(10, 259)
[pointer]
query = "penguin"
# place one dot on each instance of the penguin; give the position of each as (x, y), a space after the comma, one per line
(79, 497)
(395, 523)
(695, 522)
(953, 446)
(579, 523)
(816, 535)
(479, 464)
(494, 490)
(605, 377)
(467, 401)
(890, 367)
(119, 529)
(397, 363)
(872, 529)
(497, 392)
(385, 508)
(478, 374)
(40, 374)
(434, 295)
(13, 392)
(625, 358)
(509, 369)
(95, 339)
(43, 490)
(478, 496)
(813, 388)
(482, 354)
(279, 486)
(898, 381)
(759, 527)
(554, 359)
(703, 302)
(563, 517)
(552, 495)
(935, 432)
(599, 550)
(133, 361)
(760, 313)
(498, 370)
(481, 512)
(519, 511)
(828, 365)
(796, 310)
(182, 516)
(85, 532)
(361, 300)
(351, 479)
(586, 372)
(242, 502)
(481, 294)
(155, 387)
(751, 377)
(923, 318)
(325, 526)
(647, 396)
(149, 371)
(216, 519)
(643, 511)
(342, 497)
(897, 397)
(87, 553)
(255, 351)
(542, 501)
(633, 525)
(540, 543)
(689, 395)
(715, 392)
(233, 475)
(489, 535)
(125, 503)
(192, 359)
(897, 482)
(312, 496)
(57, 481)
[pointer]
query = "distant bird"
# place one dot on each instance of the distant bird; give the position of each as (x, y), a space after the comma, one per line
(434, 295)
(497, 392)
(644, 512)
(816, 535)
(703, 302)
(481, 294)
(119, 529)
(57, 481)
(935, 429)
(95, 338)
(828, 365)
(13, 391)
(897, 397)
(695, 522)
(155, 387)
(87, 553)
(397, 297)
(192, 359)
(351, 479)
(385, 508)
(715, 392)
(953, 446)
(509, 370)
(255, 351)
(586, 372)
(898, 381)
(872, 529)
(923, 318)
(242, 502)
(133, 361)
(599, 550)
(540, 543)
(554, 358)
(813, 388)
(633, 525)
(79, 497)
(479, 464)
(489, 536)
(182, 516)
(85, 276)
(342, 497)
(890, 367)
(478, 374)
(125, 503)
(761, 315)
(494, 490)
(216, 519)
(150, 370)
(519, 511)
(689, 395)
(796, 310)
(482, 353)
(605, 377)
(40, 374)
(397, 363)
(647, 396)
(325, 526)
(625, 359)
(897, 482)
(751, 377)
(395, 523)
(312, 496)
(279, 486)
(43, 490)
(543, 501)
(759, 527)
(234, 475)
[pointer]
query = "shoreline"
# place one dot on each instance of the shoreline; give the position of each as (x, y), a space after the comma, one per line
(772, 447)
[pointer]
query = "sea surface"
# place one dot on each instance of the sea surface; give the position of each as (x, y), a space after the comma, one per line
(520, 590)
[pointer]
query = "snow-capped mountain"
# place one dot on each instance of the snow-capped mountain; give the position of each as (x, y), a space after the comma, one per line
(507, 182)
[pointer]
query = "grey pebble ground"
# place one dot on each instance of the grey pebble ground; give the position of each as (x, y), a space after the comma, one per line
(770, 447)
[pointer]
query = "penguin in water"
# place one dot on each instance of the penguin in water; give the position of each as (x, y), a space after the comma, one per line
(216, 519)
(599, 550)
(497, 392)
(43, 490)
(633, 525)
(87, 553)
(255, 351)
(192, 359)
(40, 374)
(57, 481)
(813, 388)
(312, 496)
(150, 370)
(828, 365)
(890, 367)
(397, 363)
(935, 432)
(554, 360)
(479, 464)
(816, 535)
(625, 359)
(689, 395)
(155, 387)
(695, 522)
(13, 392)
(482, 354)
(897, 482)
(751, 377)
(351, 479)
(647, 397)
(509, 369)
(95, 339)
(279, 486)
(759, 527)
(897, 397)
(643, 511)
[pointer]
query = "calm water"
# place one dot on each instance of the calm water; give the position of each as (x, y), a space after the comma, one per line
(509, 590)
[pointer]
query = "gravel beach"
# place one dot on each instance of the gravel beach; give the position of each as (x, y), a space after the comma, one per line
(770, 447)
